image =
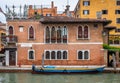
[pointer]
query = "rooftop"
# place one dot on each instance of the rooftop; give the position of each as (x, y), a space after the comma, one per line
(65, 19)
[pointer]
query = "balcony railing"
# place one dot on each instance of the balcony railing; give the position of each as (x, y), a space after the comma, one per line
(114, 39)
(9, 39)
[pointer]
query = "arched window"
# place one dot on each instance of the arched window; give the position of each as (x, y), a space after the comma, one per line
(65, 34)
(47, 55)
(53, 35)
(31, 55)
(86, 32)
(59, 35)
(53, 55)
(59, 55)
(31, 33)
(47, 34)
(80, 55)
(86, 55)
(64, 54)
(80, 32)
(10, 30)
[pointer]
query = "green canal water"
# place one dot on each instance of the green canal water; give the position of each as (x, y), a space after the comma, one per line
(71, 78)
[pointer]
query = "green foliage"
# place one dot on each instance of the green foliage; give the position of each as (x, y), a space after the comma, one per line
(112, 48)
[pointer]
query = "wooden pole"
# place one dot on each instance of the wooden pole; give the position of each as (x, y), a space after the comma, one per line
(43, 60)
(114, 62)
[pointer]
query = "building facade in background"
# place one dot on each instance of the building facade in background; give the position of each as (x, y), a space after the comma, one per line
(103, 9)
(2, 44)
(58, 40)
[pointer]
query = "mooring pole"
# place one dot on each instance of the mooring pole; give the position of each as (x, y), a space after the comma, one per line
(43, 60)
(114, 62)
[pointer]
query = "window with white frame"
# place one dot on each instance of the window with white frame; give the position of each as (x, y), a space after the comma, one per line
(56, 55)
(31, 33)
(31, 54)
(83, 32)
(21, 28)
(83, 55)
(56, 34)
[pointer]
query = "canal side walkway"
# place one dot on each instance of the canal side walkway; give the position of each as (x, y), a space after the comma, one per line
(14, 69)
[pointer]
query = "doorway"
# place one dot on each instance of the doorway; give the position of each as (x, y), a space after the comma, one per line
(12, 58)
(110, 58)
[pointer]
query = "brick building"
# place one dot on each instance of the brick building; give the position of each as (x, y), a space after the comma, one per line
(59, 40)
(41, 10)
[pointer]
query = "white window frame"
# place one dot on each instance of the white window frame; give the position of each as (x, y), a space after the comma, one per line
(33, 54)
(13, 30)
(83, 32)
(83, 54)
(33, 34)
(21, 28)
(56, 54)
(56, 28)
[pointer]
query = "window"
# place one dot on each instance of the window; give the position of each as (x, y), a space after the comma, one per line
(117, 11)
(117, 30)
(21, 28)
(117, 20)
(53, 55)
(59, 55)
(47, 56)
(86, 12)
(31, 33)
(117, 2)
(56, 55)
(56, 34)
(31, 55)
(95, 25)
(104, 11)
(53, 35)
(48, 14)
(83, 32)
(64, 34)
(80, 55)
(80, 32)
(64, 54)
(10, 30)
(59, 35)
(47, 34)
(116, 41)
(83, 55)
(86, 3)
(86, 32)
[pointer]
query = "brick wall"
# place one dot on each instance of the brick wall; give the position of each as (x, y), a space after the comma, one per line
(94, 44)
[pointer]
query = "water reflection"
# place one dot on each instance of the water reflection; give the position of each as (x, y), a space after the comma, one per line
(79, 78)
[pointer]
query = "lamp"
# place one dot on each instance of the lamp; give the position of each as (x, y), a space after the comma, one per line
(104, 33)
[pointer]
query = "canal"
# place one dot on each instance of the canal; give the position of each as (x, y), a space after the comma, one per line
(72, 78)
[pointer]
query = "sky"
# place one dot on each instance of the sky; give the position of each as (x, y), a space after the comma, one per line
(59, 3)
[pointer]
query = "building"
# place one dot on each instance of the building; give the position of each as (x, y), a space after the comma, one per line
(2, 50)
(59, 40)
(103, 9)
(42, 10)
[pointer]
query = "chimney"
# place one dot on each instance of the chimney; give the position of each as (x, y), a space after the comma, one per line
(30, 6)
(52, 4)
(68, 10)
